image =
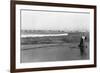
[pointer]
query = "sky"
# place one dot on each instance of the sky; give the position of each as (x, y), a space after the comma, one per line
(54, 20)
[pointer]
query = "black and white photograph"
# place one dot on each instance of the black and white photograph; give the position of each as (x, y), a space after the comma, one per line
(53, 35)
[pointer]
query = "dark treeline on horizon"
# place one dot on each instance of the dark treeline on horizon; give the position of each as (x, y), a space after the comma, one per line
(50, 31)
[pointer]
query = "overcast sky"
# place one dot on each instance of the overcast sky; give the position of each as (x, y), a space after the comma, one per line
(45, 20)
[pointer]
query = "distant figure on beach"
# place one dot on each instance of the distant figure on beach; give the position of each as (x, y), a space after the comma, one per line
(82, 45)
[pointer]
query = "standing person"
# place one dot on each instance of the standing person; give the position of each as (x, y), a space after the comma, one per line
(82, 45)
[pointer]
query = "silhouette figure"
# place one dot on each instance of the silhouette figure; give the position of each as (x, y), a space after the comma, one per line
(82, 45)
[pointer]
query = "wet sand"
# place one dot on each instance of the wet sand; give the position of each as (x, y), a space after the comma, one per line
(56, 52)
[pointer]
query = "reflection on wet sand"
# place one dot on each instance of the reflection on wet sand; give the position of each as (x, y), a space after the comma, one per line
(57, 52)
